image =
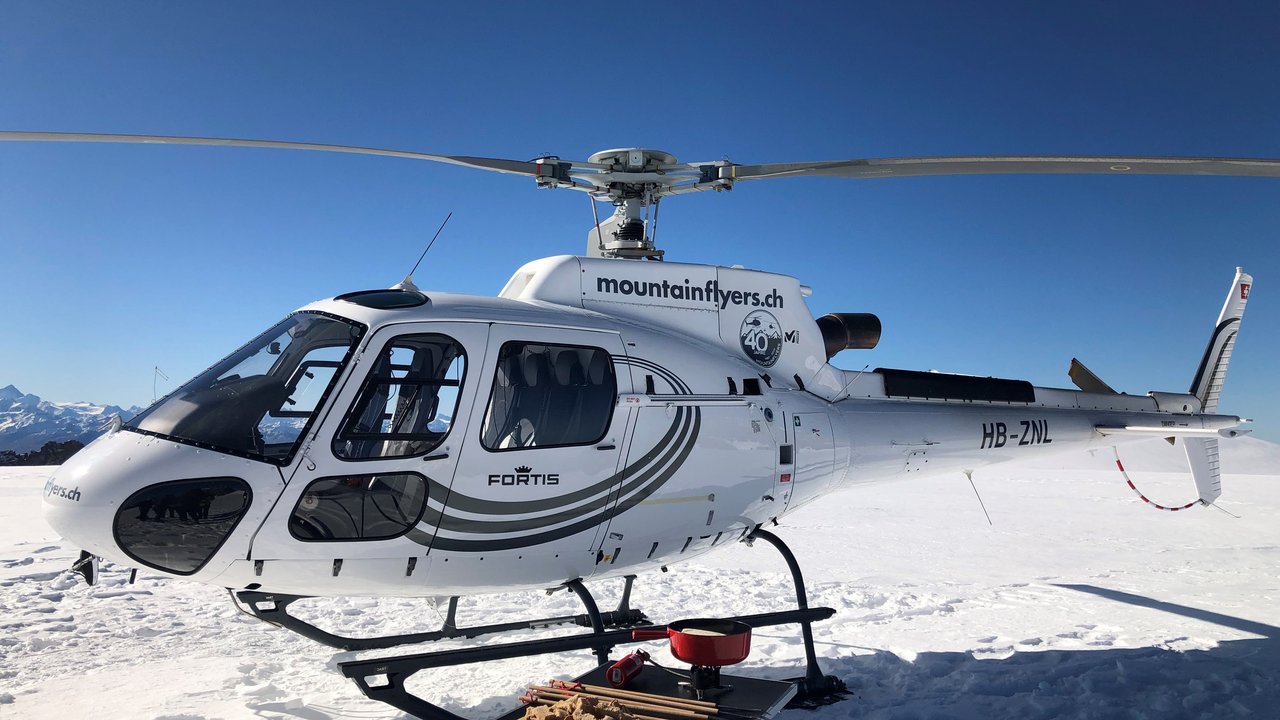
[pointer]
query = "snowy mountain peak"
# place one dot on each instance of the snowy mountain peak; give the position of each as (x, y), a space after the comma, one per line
(28, 422)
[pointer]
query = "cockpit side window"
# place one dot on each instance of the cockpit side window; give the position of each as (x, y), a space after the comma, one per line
(549, 396)
(407, 404)
(259, 401)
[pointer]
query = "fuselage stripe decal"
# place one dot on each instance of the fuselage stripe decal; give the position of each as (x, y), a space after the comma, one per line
(472, 527)
(469, 504)
(452, 544)
(635, 482)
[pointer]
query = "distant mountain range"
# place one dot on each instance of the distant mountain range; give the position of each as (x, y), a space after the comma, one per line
(27, 422)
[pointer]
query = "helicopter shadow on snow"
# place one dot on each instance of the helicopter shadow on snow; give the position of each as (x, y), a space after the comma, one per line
(1236, 678)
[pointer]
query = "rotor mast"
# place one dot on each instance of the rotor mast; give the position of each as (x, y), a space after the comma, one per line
(634, 181)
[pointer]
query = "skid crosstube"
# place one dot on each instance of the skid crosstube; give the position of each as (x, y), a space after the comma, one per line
(815, 686)
(398, 669)
(390, 673)
(273, 608)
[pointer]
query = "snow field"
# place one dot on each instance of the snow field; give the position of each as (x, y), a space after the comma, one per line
(1079, 602)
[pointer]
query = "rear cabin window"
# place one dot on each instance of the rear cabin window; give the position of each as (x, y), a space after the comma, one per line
(407, 404)
(549, 395)
(359, 507)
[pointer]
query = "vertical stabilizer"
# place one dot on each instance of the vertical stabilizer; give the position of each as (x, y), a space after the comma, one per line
(1202, 456)
(1207, 384)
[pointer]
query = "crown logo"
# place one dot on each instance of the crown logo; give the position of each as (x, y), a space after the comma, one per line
(524, 469)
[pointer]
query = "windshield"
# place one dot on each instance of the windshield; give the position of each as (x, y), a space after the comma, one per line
(260, 401)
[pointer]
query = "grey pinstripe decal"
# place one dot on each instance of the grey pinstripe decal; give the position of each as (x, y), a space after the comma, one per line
(639, 480)
(467, 525)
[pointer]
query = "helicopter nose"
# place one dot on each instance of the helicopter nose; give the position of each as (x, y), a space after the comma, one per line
(82, 495)
(143, 501)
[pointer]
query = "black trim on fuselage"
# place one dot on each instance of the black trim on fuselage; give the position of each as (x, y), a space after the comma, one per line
(941, 386)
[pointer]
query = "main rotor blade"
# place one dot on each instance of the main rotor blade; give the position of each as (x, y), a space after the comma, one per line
(514, 167)
(1012, 164)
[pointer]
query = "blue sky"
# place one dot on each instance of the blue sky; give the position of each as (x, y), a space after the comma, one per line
(115, 259)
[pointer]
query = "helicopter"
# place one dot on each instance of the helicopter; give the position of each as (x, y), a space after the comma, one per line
(607, 414)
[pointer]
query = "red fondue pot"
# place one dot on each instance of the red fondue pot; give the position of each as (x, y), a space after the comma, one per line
(704, 642)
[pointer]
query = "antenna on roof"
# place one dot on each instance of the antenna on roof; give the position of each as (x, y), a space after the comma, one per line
(407, 283)
(157, 374)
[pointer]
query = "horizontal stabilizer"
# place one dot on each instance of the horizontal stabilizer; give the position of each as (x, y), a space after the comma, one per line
(1170, 432)
(1086, 380)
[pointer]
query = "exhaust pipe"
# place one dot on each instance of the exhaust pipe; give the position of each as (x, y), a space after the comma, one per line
(849, 331)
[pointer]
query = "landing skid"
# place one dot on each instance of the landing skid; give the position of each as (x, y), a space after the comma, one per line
(383, 679)
(273, 608)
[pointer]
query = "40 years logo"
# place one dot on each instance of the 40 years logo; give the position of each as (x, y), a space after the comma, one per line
(761, 337)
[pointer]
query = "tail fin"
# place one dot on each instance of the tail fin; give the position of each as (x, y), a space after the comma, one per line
(1202, 456)
(1202, 453)
(1207, 385)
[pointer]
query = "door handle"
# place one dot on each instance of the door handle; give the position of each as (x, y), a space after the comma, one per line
(604, 447)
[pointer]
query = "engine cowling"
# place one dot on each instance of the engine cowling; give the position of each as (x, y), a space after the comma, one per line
(849, 331)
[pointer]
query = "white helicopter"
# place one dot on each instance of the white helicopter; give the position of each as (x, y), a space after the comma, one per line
(603, 416)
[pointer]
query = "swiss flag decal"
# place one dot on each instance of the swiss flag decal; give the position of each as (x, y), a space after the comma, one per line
(1244, 291)
(786, 477)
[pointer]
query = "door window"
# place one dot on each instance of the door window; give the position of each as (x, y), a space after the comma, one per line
(408, 402)
(548, 396)
(359, 507)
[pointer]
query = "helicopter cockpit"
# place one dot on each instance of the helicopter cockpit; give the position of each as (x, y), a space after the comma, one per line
(259, 401)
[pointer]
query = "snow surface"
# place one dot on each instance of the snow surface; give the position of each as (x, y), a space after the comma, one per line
(1078, 602)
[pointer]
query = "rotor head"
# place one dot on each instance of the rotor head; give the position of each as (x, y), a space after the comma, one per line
(635, 180)
(633, 159)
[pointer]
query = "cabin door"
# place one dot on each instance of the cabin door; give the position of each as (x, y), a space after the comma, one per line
(376, 472)
(542, 448)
